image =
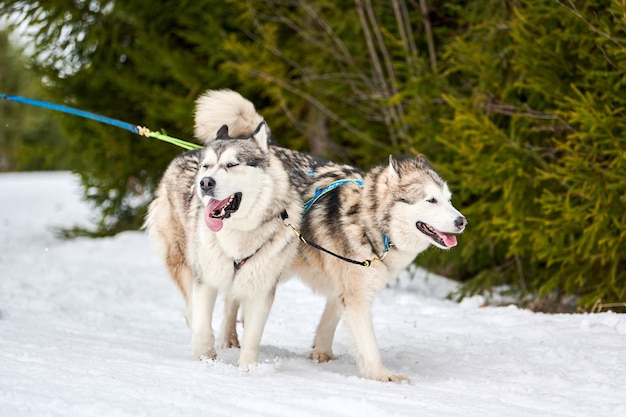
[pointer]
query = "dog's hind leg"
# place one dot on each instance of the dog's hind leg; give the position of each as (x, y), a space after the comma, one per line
(256, 309)
(203, 303)
(323, 343)
(183, 277)
(228, 333)
(170, 239)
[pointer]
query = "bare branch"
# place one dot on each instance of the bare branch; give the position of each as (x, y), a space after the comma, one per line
(317, 104)
(379, 75)
(429, 36)
(393, 115)
(572, 8)
(404, 27)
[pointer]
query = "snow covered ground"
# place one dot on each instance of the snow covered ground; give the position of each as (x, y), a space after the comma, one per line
(96, 328)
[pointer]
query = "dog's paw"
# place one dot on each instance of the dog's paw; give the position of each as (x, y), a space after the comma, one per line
(321, 357)
(385, 375)
(395, 378)
(203, 350)
(203, 345)
(210, 354)
(230, 341)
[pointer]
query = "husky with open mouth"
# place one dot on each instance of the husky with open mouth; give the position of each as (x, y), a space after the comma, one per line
(359, 230)
(218, 222)
(400, 210)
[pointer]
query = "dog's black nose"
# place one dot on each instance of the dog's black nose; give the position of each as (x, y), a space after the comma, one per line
(460, 222)
(207, 184)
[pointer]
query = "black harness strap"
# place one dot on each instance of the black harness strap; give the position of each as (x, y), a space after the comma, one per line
(239, 262)
(365, 263)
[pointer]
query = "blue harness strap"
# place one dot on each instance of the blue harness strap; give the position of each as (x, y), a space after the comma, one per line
(319, 193)
(316, 196)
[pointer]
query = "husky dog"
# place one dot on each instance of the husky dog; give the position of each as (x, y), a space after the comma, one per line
(401, 209)
(217, 220)
(359, 230)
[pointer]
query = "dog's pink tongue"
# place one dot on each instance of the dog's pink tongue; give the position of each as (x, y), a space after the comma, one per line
(448, 239)
(214, 224)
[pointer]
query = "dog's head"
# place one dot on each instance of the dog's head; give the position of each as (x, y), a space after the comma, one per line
(231, 180)
(422, 207)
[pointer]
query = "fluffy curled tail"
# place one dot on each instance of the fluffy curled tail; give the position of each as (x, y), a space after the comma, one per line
(216, 108)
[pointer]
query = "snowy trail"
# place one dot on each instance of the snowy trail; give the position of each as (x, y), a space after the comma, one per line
(96, 328)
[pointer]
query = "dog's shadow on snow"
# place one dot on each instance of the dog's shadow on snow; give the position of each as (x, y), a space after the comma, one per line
(418, 364)
(278, 360)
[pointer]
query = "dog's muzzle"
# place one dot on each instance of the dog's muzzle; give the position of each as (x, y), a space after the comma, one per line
(217, 210)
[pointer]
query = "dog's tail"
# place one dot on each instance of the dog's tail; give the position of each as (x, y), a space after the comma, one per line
(217, 108)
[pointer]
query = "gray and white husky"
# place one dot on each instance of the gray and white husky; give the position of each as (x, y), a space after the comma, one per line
(217, 220)
(401, 209)
(375, 224)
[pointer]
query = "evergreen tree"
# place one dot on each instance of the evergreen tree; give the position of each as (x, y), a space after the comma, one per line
(340, 76)
(29, 139)
(134, 61)
(518, 104)
(537, 139)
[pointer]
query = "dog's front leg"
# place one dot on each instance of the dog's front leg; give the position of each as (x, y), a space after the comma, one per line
(256, 309)
(203, 303)
(323, 343)
(358, 318)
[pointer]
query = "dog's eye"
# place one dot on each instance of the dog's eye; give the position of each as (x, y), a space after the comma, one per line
(206, 166)
(432, 200)
(231, 164)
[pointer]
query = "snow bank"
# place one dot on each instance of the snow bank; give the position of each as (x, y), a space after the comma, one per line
(96, 328)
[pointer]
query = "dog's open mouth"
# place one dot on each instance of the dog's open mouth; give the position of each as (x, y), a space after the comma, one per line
(218, 210)
(446, 240)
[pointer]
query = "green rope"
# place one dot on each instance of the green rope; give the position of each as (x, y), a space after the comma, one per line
(144, 131)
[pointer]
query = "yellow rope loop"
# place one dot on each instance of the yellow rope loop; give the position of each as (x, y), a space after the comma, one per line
(143, 131)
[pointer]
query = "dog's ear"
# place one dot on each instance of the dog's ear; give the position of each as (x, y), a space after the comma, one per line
(222, 133)
(422, 162)
(262, 136)
(394, 172)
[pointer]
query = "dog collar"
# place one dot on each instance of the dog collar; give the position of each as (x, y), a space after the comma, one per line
(386, 246)
(238, 263)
